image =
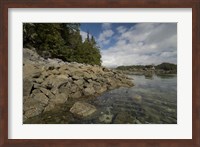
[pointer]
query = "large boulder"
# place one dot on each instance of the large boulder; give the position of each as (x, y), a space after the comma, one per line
(82, 109)
(59, 98)
(32, 107)
(31, 70)
(41, 98)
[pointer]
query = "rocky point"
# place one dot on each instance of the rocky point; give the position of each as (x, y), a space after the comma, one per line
(50, 82)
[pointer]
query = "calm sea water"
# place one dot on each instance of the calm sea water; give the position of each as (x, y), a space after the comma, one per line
(153, 100)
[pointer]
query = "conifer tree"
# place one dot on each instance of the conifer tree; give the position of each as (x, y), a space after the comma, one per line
(61, 40)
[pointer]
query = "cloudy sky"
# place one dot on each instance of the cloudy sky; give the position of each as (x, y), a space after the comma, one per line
(134, 43)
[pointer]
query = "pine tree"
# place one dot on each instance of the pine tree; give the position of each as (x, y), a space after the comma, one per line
(61, 40)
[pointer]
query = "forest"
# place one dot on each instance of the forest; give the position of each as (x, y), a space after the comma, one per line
(61, 40)
(163, 66)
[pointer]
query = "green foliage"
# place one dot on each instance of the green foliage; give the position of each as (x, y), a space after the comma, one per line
(167, 66)
(61, 40)
(163, 66)
(131, 67)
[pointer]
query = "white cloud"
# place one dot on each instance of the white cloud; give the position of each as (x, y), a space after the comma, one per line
(144, 43)
(104, 37)
(84, 35)
(106, 25)
(121, 29)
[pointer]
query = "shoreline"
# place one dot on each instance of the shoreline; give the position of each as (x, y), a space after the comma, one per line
(136, 103)
(51, 82)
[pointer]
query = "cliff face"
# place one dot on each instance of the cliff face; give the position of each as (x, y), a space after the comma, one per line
(50, 82)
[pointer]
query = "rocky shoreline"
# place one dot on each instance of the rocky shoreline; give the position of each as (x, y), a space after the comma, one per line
(50, 82)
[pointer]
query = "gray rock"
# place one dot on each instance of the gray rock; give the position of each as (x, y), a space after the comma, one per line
(137, 98)
(33, 112)
(41, 98)
(89, 91)
(55, 72)
(45, 74)
(30, 54)
(66, 88)
(106, 69)
(47, 92)
(59, 98)
(37, 86)
(74, 77)
(49, 107)
(27, 86)
(24, 118)
(76, 95)
(39, 80)
(74, 88)
(100, 89)
(30, 70)
(31, 103)
(63, 67)
(54, 81)
(86, 75)
(55, 90)
(62, 76)
(32, 107)
(93, 77)
(127, 82)
(82, 109)
(106, 118)
(79, 82)
(36, 74)
(124, 118)
(25, 98)
(34, 92)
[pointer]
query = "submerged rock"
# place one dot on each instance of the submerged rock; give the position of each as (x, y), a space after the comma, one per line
(82, 109)
(124, 118)
(137, 98)
(106, 118)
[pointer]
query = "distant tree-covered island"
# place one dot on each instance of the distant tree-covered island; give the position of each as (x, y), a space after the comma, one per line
(163, 68)
(61, 40)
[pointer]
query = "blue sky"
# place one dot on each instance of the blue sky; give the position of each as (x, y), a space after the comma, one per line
(134, 43)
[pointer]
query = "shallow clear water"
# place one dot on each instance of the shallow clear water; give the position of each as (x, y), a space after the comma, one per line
(153, 100)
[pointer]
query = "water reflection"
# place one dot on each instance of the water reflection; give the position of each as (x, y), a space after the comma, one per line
(152, 100)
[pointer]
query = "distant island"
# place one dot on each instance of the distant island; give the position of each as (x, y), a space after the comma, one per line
(163, 68)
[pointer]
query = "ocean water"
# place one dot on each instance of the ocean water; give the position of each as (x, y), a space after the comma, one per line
(153, 100)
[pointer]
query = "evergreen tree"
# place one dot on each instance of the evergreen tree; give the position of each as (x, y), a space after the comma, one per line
(61, 40)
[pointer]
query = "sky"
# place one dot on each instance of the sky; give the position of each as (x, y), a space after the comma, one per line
(134, 43)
